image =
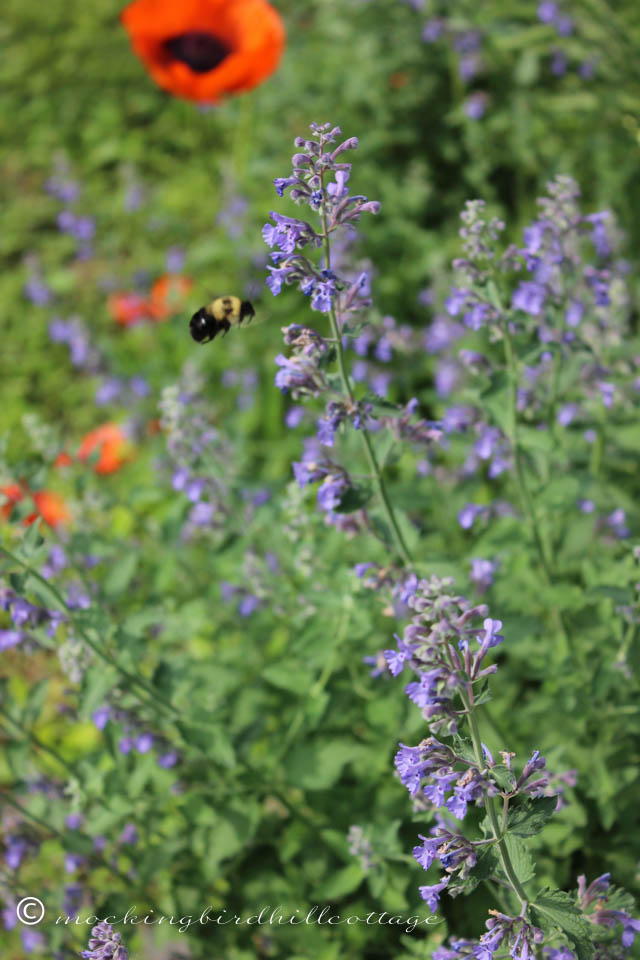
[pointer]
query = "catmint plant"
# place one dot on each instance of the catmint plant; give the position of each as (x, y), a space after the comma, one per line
(320, 179)
(446, 645)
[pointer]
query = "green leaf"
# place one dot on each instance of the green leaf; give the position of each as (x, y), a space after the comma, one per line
(47, 596)
(35, 702)
(120, 574)
(317, 766)
(502, 775)
(341, 883)
(521, 859)
(556, 909)
(620, 595)
(355, 498)
(529, 818)
(464, 748)
(496, 401)
(535, 440)
(488, 864)
(280, 675)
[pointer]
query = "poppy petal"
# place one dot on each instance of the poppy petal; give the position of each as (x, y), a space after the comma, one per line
(204, 49)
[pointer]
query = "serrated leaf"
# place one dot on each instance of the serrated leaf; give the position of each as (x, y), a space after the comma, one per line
(529, 818)
(556, 909)
(464, 749)
(521, 859)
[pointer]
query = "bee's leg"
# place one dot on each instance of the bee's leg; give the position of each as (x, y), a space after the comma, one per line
(226, 326)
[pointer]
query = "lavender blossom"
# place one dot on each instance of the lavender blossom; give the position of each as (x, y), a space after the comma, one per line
(105, 944)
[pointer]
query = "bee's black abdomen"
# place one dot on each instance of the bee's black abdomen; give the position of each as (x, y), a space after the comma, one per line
(202, 326)
(246, 310)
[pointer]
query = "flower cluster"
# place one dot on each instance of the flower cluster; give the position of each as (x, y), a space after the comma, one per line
(136, 736)
(197, 453)
(317, 466)
(561, 288)
(446, 647)
(105, 944)
(438, 645)
(26, 617)
(561, 328)
(81, 227)
(310, 182)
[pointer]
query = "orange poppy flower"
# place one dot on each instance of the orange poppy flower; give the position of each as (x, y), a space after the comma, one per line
(50, 506)
(168, 295)
(204, 49)
(128, 309)
(112, 445)
(63, 460)
(13, 493)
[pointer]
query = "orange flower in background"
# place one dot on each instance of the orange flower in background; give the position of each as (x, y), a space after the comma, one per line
(13, 493)
(168, 295)
(50, 506)
(128, 309)
(112, 445)
(204, 49)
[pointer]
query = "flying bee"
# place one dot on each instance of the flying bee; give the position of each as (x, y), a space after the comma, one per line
(219, 316)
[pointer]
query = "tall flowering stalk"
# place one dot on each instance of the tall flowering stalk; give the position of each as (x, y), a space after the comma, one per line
(320, 180)
(446, 773)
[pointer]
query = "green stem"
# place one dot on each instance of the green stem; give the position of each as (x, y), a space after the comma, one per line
(374, 466)
(523, 487)
(492, 810)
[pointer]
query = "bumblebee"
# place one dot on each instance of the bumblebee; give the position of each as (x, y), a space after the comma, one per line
(218, 317)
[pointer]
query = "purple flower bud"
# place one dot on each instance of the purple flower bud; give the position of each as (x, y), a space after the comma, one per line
(101, 717)
(529, 297)
(129, 835)
(202, 514)
(248, 604)
(144, 742)
(168, 759)
(10, 638)
(468, 514)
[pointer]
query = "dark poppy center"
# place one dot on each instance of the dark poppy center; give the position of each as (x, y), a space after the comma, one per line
(200, 51)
